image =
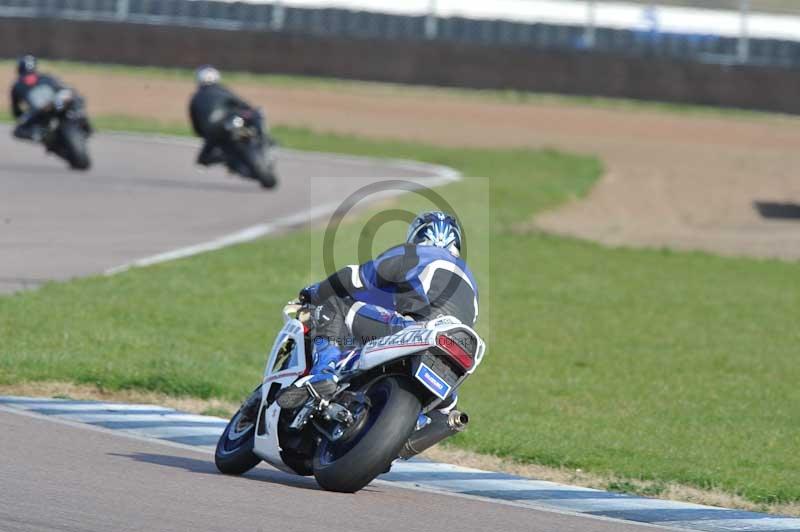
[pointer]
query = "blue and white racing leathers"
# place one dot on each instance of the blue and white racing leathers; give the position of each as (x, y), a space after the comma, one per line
(404, 285)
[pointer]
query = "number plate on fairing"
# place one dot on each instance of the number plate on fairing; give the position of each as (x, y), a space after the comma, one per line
(437, 385)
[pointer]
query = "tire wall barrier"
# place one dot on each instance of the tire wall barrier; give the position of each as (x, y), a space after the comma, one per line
(414, 62)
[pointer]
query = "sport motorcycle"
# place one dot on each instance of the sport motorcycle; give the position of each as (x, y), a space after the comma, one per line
(60, 123)
(248, 149)
(388, 404)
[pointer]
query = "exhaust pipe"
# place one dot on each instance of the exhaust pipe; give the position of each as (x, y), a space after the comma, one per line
(441, 426)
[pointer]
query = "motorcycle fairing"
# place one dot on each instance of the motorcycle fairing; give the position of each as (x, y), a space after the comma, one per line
(286, 362)
(422, 340)
(412, 340)
(409, 341)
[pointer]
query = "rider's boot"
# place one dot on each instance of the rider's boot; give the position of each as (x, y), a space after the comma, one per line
(210, 154)
(321, 383)
(29, 127)
(26, 131)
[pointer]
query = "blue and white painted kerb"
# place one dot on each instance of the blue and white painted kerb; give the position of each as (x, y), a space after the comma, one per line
(202, 431)
(140, 420)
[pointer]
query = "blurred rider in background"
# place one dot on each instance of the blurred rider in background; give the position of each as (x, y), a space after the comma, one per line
(208, 109)
(25, 112)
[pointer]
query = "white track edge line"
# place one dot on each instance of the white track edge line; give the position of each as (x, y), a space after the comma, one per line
(388, 483)
(442, 175)
(437, 169)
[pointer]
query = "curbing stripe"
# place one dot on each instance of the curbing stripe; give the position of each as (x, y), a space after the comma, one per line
(79, 406)
(131, 425)
(170, 431)
(207, 441)
(98, 411)
(134, 416)
(201, 433)
(773, 524)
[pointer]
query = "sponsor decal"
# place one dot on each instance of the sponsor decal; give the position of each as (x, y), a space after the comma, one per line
(404, 338)
(446, 321)
(437, 385)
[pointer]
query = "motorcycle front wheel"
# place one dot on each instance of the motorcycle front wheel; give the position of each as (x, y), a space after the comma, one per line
(350, 465)
(259, 164)
(76, 151)
(234, 454)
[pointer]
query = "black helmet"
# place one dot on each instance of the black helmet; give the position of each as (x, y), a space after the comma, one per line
(26, 65)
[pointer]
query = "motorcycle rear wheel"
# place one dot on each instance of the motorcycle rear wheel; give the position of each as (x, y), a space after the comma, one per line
(234, 454)
(349, 466)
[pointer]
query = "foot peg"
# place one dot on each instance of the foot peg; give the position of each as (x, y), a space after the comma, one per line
(295, 396)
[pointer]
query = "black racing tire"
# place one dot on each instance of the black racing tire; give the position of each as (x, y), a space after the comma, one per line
(234, 454)
(76, 151)
(260, 167)
(394, 411)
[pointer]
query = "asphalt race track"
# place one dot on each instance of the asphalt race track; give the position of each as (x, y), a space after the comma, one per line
(57, 477)
(145, 196)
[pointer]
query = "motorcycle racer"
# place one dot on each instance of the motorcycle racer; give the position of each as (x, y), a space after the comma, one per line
(208, 109)
(414, 282)
(25, 113)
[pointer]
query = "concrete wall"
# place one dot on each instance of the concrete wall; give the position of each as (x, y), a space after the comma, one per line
(767, 88)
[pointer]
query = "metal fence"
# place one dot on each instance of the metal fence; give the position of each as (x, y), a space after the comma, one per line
(276, 16)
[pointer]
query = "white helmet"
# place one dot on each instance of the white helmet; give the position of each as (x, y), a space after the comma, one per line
(207, 75)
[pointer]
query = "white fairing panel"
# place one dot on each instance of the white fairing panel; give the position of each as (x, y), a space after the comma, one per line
(286, 362)
(414, 340)
(407, 342)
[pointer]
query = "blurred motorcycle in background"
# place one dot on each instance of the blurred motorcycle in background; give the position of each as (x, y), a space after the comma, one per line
(248, 149)
(58, 120)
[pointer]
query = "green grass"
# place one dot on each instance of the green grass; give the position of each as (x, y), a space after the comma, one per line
(654, 365)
